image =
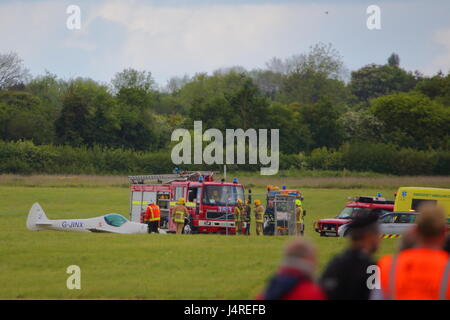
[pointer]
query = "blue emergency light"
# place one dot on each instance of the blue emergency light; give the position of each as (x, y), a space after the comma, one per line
(235, 180)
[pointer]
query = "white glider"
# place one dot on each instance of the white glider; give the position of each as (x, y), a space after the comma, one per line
(112, 223)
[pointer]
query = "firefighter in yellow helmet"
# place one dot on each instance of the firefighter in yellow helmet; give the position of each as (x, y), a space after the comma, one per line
(259, 217)
(298, 217)
(180, 212)
(238, 216)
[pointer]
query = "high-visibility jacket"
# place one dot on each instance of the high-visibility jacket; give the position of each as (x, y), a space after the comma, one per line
(180, 212)
(237, 214)
(298, 214)
(416, 274)
(155, 212)
(259, 214)
(147, 215)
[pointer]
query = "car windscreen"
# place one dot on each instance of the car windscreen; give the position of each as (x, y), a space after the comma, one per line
(221, 195)
(352, 212)
(115, 220)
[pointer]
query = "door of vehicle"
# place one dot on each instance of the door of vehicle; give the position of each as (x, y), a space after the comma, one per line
(387, 223)
(403, 223)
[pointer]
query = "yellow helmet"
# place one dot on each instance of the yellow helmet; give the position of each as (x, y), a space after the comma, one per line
(239, 201)
(257, 202)
(181, 200)
(298, 202)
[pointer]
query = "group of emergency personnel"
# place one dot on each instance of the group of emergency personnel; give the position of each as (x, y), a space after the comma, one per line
(242, 214)
(152, 216)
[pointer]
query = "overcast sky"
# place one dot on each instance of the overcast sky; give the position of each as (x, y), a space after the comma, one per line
(176, 37)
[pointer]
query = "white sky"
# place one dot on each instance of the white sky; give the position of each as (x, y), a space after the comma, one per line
(181, 37)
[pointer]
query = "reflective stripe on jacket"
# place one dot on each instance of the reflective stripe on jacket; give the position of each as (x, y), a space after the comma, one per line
(155, 212)
(179, 213)
(298, 214)
(237, 214)
(259, 214)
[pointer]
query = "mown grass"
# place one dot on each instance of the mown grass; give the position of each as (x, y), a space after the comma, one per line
(33, 264)
(293, 178)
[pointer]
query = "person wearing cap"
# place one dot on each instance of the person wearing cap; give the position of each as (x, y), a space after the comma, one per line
(259, 217)
(346, 275)
(180, 212)
(298, 218)
(294, 279)
(423, 271)
(238, 216)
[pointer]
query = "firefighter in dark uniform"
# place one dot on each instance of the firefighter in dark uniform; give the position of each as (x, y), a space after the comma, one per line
(247, 216)
(345, 277)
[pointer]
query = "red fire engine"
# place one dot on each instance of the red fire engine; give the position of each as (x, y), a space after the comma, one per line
(210, 203)
(357, 206)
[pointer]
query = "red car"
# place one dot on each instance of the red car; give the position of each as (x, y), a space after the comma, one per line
(358, 206)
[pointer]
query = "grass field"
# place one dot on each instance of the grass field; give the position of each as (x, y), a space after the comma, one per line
(33, 264)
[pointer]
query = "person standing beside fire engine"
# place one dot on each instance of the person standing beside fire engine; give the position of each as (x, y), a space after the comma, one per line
(248, 217)
(238, 216)
(180, 213)
(259, 217)
(152, 217)
(298, 218)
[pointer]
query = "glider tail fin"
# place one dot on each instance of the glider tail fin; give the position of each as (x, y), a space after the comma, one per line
(37, 220)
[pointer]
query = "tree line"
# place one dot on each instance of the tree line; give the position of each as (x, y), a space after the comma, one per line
(318, 105)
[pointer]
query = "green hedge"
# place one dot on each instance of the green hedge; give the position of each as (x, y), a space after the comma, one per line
(23, 157)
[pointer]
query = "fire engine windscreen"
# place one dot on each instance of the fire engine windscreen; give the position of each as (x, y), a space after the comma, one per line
(220, 195)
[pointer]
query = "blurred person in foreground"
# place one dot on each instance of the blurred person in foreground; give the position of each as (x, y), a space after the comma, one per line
(294, 278)
(345, 277)
(421, 272)
(407, 241)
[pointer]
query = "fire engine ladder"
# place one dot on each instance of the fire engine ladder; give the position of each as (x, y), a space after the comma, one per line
(160, 178)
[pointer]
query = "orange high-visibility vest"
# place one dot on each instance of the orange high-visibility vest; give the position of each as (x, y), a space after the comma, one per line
(152, 214)
(416, 274)
(156, 213)
(148, 213)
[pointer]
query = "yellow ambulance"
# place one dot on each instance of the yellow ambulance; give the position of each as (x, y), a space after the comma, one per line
(410, 198)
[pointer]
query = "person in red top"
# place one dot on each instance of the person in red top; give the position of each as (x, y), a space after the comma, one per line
(294, 278)
(421, 272)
